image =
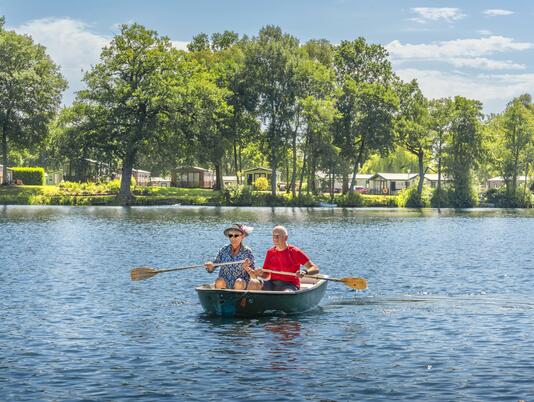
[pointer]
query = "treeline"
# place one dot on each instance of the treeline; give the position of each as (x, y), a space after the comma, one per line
(234, 101)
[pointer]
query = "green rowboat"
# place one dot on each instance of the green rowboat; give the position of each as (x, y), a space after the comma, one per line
(248, 303)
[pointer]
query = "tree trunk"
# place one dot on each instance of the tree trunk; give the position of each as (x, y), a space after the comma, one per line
(304, 159)
(174, 177)
(4, 153)
(345, 184)
(356, 163)
(219, 183)
(273, 177)
(332, 182)
(294, 161)
(421, 172)
(439, 173)
(526, 183)
(125, 194)
(236, 167)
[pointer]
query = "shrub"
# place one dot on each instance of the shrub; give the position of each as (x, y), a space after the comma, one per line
(390, 201)
(237, 195)
(351, 199)
(29, 175)
(441, 198)
(261, 184)
(410, 198)
(502, 199)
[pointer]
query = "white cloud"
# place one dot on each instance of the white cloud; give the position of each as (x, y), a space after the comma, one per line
(485, 64)
(180, 45)
(70, 44)
(461, 52)
(456, 48)
(497, 12)
(494, 90)
(484, 32)
(429, 14)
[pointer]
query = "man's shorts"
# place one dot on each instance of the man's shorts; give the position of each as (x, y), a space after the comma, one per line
(279, 286)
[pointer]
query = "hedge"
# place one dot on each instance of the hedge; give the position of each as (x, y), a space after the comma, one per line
(29, 175)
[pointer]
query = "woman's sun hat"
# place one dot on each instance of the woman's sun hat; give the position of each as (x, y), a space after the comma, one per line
(245, 230)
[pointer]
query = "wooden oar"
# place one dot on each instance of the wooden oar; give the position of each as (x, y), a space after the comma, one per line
(142, 273)
(354, 283)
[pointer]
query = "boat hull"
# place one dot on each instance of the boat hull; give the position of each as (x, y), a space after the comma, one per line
(241, 303)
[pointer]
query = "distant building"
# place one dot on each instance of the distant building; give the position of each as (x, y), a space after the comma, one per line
(159, 182)
(496, 182)
(431, 180)
(323, 181)
(230, 180)
(251, 175)
(54, 177)
(142, 177)
(85, 169)
(194, 177)
(391, 183)
(9, 174)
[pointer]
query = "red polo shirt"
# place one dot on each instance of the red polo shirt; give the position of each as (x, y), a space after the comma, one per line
(288, 260)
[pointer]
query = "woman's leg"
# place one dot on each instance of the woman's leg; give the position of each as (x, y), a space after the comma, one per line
(240, 284)
(220, 283)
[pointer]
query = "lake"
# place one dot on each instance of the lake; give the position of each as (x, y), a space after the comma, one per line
(449, 313)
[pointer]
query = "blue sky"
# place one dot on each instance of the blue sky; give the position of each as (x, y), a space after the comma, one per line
(482, 50)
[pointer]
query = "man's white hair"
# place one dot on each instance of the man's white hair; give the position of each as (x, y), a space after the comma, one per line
(280, 228)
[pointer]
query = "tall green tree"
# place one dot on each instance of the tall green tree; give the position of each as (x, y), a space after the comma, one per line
(440, 111)
(413, 126)
(30, 92)
(464, 150)
(270, 65)
(518, 130)
(131, 96)
(367, 104)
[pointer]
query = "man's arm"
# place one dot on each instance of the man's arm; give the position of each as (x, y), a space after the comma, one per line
(311, 268)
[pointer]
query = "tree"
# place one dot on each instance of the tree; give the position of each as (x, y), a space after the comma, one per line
(518, 125)
(464, 149)
(413, 128)
(367, 104)
(440, 122)
(132, 95)
(30, 92)
(270, 66)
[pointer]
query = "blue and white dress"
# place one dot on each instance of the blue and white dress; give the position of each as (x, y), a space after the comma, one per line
(230, 273)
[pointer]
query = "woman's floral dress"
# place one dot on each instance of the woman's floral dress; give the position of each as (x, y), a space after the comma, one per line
(230, 273)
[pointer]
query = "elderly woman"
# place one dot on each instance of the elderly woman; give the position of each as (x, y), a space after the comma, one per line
(235, 276)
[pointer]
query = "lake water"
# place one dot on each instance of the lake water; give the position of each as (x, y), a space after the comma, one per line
(449, 314)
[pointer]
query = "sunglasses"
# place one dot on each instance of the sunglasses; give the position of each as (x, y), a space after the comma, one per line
(233, 235)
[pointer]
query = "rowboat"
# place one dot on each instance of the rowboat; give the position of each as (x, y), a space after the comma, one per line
(247, 303)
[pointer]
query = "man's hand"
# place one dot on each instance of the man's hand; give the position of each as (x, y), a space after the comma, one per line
(209, 266)
(301, 274)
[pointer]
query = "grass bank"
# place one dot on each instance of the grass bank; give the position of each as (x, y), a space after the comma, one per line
(104, 194)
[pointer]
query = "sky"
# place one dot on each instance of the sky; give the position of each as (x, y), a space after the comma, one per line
(478, 49)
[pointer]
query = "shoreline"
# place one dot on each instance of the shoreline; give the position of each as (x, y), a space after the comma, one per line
(169, 196)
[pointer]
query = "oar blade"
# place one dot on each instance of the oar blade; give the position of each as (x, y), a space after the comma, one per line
(355, 283)
(142, 273)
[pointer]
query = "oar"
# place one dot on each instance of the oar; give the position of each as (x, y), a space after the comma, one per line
(142, 273)
(354, 283)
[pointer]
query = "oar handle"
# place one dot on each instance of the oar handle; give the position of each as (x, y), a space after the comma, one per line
(219, 264)
(318, 277)
(279, 272)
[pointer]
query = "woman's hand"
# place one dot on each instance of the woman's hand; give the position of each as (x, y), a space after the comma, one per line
(209, 266)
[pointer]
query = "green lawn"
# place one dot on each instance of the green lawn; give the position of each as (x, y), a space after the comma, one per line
(104, 194)
(91, 194)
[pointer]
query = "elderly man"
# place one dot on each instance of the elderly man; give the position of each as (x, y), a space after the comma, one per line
(287, 258)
